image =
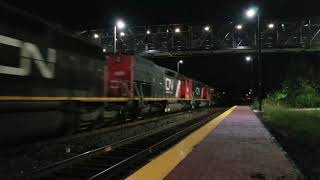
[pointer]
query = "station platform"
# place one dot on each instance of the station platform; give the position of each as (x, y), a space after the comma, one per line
(233, 146)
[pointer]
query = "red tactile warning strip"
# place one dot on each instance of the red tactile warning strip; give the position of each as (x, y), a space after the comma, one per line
(239, 148)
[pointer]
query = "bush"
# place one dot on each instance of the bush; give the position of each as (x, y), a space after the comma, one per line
(299, 93)
(278, 97)
(255, 104)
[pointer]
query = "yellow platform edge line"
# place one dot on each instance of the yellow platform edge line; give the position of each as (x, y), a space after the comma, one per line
(161, 166)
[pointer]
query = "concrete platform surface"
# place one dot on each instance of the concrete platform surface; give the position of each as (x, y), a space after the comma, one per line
(239, 148)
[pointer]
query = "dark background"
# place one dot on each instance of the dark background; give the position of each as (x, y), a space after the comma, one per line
(229, 73)
(233, 75)
(81, 14)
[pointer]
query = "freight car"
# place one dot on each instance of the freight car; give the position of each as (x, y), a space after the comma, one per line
(55, 83)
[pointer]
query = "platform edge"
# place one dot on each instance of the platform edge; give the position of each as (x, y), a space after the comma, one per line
(162, 165)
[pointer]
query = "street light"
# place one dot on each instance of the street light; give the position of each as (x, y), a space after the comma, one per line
(248, 58)
(178, 65)
(177, 30)
(251, 13)
(239, 27)
(207, 28)
(271, 26)
(148, 32)
(122, 34)
(119, 24)
(96, 36)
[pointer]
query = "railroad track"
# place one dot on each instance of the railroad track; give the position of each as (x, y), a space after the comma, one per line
(114, 127)
(118, 160)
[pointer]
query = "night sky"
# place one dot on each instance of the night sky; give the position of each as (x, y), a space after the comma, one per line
(77, 14)
(226, 72)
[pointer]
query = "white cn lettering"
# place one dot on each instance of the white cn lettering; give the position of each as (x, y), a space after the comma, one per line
(29, 52)
(169, 84)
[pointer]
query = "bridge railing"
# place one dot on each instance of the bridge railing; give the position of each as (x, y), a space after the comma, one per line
(285, 34)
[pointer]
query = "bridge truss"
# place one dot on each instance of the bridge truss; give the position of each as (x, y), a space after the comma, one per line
(291, 36)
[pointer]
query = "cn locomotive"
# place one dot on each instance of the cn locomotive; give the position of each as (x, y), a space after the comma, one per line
(55, 83)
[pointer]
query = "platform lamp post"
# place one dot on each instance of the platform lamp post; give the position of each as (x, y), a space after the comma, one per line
(249, 60)
(251, 13)
(120, 24)
(178, 65)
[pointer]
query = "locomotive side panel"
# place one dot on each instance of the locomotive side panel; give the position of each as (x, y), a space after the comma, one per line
(32, 71)
(40, 59)
(27, 69)
(158, 86)
(145, 74)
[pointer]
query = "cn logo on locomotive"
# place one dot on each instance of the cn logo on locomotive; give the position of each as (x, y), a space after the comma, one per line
(29, 53)
(169, 85)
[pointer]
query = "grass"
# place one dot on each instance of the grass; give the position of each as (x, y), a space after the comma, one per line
(299, 133)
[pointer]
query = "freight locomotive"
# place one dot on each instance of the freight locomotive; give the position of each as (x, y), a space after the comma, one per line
(55, 83)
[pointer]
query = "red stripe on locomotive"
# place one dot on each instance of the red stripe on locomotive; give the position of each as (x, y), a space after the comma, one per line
(120, 76)
(186, 88)
(205, 93)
